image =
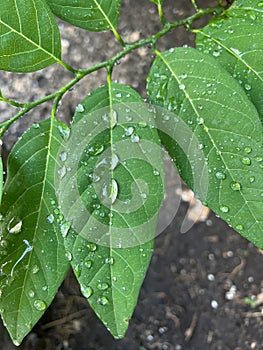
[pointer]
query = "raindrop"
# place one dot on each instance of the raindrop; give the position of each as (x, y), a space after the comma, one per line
(36, 125)
(88, 263)
(239, 227)
(35, 269)
(247, 87)
(102, 286)
(224, 209)
(63, 156)
(62, 172)
(181, 86)
(110, 191)
(14, 226)
(252, 179)
(220, 175)
(50, 218)
(114, 118)
(236, 186)
(80, 108)
(64, 228)
(135, 138)
(4, 243)
(216, 53)
(236, 51)
(246, 160)
(114, 161)
(31, 294)
(129, 131)
(68, 255)
(64, 131)
(109, 261)
(248, 150)
(103, 301)
(92, 247)
(40, 305)
(86, 291)
(77, 270)
(95, 150)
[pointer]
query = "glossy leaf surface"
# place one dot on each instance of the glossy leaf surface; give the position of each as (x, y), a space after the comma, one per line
(111, 244)
(194, 86)
(236, 42)
(93, 15)
(29, 36)
(32, 255)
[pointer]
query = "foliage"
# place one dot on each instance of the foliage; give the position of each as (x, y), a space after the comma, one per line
(88, 196)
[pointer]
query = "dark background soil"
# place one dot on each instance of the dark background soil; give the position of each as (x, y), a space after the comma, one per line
(193, 297)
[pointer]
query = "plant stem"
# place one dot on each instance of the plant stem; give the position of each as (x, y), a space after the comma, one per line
(195, 5)
(160, 11)
(109, 64)
(12, 102)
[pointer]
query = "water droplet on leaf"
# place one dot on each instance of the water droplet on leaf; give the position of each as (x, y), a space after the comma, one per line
(86, 291)
(220, 175)
(236, 186)
(14, 226)
(102, 286)
(80, 108)
(224, 209)
(40, 305)
(68, 256)
(246, 160)
(103, 301)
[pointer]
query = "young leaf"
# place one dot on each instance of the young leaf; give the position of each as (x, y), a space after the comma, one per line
(200, 92)
(29, 36)
(236, 41)
(32, 254)
(93, 15)
(111, 196)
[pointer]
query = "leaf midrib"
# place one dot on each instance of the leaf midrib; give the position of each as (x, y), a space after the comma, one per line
(210, 137)
(38, 218)
(30, 41)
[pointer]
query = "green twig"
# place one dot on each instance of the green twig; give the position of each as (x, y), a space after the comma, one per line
(195, 5)
(109, 64)
(160, 11)
(12, 102)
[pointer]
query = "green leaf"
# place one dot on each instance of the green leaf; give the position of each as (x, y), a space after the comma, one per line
(111, 196)
(247, 9)
(196, 88)
(1, 178)
(29, 36)
(93, 15)
(32, 253)
(236, 41)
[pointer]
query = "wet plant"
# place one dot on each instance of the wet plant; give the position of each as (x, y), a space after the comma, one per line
(88, 195)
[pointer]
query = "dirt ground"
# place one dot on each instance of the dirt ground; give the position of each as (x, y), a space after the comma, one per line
(204, 288)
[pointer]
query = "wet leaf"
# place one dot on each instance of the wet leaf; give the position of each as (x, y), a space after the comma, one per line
(236, 42)
(29, 38)
(93, 15)
(113, 202)
(201, 93)
(1, 178)
(32, 260)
